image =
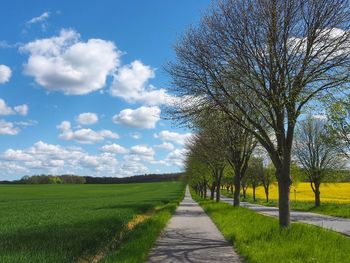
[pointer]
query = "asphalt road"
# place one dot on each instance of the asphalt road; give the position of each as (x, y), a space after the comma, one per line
(338, 224)
(191, 236)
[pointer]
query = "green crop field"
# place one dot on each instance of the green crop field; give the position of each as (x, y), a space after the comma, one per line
(79, 223)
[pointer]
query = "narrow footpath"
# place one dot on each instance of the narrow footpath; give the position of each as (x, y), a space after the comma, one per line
(338, 224)
(191, 236)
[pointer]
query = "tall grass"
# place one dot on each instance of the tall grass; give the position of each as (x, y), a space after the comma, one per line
(259, 238)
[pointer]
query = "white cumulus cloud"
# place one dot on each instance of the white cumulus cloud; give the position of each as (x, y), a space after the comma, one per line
(65, 63)
(114, 148)
(143, 117)
(166, 146)
(8, 128)
(87, 118)
(175, 137)
(5, 74)
(7, 110)
(84, 136)
(131, 84)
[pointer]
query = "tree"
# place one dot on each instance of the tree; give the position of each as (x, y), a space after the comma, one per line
(209, 145)
(267, 177)
(274, 55)
(315, 154)
(255, 172)
(241, 144)
(339, 124)
(197, 173)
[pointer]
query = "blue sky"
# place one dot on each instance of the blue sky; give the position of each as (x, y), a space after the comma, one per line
(82, 87)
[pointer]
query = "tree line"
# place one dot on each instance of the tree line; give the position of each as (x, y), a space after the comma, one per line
(250, 75)
(76, 179)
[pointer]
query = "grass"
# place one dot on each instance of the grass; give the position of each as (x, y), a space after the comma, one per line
(74, 223)
(259, 239)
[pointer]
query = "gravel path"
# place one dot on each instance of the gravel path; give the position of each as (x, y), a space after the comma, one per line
(191, 236)
(338, 224)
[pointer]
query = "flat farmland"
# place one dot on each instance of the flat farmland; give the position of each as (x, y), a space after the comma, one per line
(83, 223)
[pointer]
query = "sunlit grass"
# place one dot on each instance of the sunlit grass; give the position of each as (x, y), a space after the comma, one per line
(74, 223)
(259, 238)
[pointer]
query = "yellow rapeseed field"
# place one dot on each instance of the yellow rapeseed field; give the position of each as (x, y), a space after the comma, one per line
(330, 192)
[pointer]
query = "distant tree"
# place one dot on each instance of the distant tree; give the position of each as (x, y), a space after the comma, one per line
(255, 172)
(314, 153)
(268, 177)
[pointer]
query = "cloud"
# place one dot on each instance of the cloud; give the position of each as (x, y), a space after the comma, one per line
(65, 64)
(5, 74)
(136, 135)
(39, 19)
(175, 137)
(165, 146)
(84, 136)
(142, 150)
(143, 117)
(55, 158)
(21, 109)
(176, 157)
(87, 118)
(114, 148)
(140, 153)
(8, 128)
(6, 110)
(131, 84)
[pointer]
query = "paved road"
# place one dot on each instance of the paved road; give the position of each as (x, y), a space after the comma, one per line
(191, 236)
(337, 224)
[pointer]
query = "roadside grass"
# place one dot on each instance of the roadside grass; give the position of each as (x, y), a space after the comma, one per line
(74, 223)
(326, 208)
(259, 239)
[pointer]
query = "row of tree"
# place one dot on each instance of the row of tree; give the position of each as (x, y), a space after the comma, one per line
(75, 179)
(248, 72)
(52, 179)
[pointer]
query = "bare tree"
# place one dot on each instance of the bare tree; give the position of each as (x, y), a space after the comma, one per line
(316, 155)
(273, 57)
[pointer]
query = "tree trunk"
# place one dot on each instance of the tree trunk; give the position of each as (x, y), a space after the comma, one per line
(212, 191)
(254, 199)
(237, 191)
(205, 190)
(267, 194)
(317, 195)
(218, 193)
(218, 183)
(284, 184)
(244, 193)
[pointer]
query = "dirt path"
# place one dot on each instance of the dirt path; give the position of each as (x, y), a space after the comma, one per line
(191, 236)
(338, 224)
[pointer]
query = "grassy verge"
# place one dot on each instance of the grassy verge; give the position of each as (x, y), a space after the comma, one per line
(259, 239)
(137, 243)
(77, 223)
(326, 208)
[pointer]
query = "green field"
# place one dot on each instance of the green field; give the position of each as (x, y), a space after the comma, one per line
(76, 223)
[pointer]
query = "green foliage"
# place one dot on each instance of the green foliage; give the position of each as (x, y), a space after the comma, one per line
(53, 179)
(65, 223)
(259, 239)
